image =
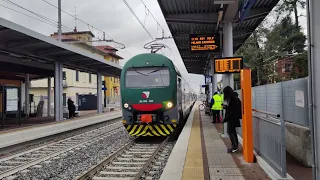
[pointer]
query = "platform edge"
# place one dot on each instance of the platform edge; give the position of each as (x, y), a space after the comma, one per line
(175, 164)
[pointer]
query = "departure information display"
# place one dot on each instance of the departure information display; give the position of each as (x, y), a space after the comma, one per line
(204, 43)
(228, 65)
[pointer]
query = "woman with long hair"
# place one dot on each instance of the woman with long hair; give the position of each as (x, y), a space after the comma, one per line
(232, 116)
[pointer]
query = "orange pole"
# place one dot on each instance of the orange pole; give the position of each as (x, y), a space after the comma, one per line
(247, 133)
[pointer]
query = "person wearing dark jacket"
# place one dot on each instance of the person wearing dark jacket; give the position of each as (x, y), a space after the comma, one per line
(71, 108)
(232, 116)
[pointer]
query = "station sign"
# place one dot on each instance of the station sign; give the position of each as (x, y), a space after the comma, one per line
(204, 43)
(227, 65)
(208, 79)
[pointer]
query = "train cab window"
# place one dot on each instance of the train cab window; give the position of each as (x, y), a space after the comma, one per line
(142, 77)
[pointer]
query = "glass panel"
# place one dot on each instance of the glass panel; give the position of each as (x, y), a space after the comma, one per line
(147, 77)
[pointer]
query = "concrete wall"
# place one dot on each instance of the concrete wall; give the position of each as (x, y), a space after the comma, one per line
(298, 143)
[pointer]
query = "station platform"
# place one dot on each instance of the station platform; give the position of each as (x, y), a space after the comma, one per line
(201, 153)
(28, 133)
(13, 123)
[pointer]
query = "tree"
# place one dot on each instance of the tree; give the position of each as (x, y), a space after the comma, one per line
(288, 7)
(300, 64)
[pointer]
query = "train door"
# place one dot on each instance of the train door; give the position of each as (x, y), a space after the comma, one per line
(179, 94)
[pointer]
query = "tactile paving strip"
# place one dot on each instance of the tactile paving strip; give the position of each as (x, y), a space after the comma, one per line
(221, 164)
(193, 167)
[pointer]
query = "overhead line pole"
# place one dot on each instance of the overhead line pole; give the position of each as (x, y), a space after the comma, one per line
(59, 21)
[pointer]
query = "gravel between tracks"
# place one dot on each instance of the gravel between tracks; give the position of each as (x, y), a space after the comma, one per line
(76, 161)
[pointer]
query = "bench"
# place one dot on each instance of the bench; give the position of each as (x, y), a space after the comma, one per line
(109, 107)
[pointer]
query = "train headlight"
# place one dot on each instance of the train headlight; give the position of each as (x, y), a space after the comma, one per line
(169, 105)
(126, 105)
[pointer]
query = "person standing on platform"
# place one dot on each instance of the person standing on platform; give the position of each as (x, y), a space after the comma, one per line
(232, 117)
(216, 106)
(71, 108)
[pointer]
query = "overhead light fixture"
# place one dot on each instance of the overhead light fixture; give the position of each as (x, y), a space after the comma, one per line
(16, 55)
(224, 1)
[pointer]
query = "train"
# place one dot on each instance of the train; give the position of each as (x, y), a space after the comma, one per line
(155, 98)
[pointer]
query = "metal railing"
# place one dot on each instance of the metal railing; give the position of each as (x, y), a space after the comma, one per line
(269, 139)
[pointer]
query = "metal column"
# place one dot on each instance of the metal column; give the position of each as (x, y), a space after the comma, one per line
(26, 98)
(227, 79)
(99, 93)
(227, 51)
(313, 22)
(214, 78)
(59, 21)
(58, 107)
(49, 97)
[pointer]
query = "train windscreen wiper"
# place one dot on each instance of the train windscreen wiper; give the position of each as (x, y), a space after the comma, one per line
(156, 70)
(138, 71)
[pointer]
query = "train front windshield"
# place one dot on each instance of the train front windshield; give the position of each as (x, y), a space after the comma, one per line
(147, 77)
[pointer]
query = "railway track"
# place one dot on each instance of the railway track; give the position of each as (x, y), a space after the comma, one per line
(22, 161)
(135, 160)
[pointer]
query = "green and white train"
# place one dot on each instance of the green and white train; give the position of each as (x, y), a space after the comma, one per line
(156, 99)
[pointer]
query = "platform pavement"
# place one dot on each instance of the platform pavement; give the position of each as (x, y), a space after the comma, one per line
(25, 134)
(200, 153)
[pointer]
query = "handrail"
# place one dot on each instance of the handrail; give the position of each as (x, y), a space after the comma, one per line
(267, 113)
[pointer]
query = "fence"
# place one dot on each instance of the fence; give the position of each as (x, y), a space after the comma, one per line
(269, 139)
(293, 105)
(289, 99)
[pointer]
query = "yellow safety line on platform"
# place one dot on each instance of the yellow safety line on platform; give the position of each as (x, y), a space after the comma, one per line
(193, 166)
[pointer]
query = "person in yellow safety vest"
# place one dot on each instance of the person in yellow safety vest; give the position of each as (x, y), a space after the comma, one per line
(216, 107)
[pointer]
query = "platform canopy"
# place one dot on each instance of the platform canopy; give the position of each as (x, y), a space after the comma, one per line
(185, 17)
(25, 51)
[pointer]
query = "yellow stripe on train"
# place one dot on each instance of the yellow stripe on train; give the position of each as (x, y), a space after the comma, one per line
(150, 130)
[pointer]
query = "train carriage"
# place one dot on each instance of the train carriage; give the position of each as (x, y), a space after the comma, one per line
(155, 97)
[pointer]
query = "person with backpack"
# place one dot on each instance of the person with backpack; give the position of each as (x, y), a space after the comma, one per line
(232, 105)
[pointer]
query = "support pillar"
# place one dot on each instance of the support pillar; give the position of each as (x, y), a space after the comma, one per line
(227, 52)
(49, 97)
(227, 79)
(26, 99)
(58, 108)
(313, 22)
(99, 93)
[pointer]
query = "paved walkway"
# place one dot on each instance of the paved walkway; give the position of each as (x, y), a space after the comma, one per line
(221, 164)
(201, 154)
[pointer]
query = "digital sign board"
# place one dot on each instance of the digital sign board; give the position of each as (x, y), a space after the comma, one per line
(228, 65)
(204, 43)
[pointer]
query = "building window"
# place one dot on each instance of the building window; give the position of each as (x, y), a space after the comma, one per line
(64, 75)
(90, 77)
(287, 67)
(77, 75)
(64, 97)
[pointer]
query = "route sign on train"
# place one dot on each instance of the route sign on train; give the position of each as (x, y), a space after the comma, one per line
(204, 43)
(228, 65)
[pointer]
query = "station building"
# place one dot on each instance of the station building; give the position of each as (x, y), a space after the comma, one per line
(76, 82)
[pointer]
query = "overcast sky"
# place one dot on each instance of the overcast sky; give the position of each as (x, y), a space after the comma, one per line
(111, 16)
